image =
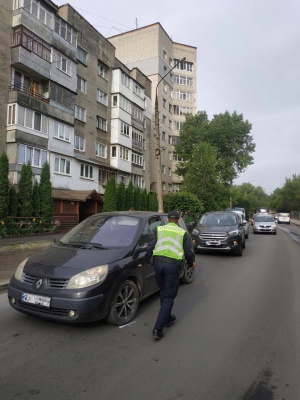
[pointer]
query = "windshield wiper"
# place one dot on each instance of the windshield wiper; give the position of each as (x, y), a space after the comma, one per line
(98, 246)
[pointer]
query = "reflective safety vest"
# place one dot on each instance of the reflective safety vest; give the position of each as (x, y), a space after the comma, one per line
(169, 241)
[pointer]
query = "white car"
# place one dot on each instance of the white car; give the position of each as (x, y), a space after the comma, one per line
(284, 218)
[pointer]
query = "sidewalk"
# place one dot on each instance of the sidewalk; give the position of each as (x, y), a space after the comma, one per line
(17, 248)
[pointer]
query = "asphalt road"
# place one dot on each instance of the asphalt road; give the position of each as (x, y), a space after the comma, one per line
(237, 337)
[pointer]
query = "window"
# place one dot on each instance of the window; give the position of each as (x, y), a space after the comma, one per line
(170, 124)
(36, 9)
(101, 150)
(115, 101)
(164, 119)
(79, 142)
(164, 54)
(125, 128)
(86, 171)
(178, 125)
(101, 123)
(166, 88)
(137, 90)
(81, 84)
(164, 103)
(137, 159)
(163, 169)
(184, 66)
(65, 31)
(61, 131)
(25, 38)
(125, 79)
(11, 115)
(124, 153)
(81, 55)
(62, 165)
(170, 171)
(62, 96)
(170, 108)
(137, 136)
(102, 69)
(27, 154)
(80, 113)
(163, 136)
(183, 80)
(125, 104)
(27, 118)
(184, 96)
(64, 64)
(102, 97)
(114, 151)
(137, 113)
(175, 140)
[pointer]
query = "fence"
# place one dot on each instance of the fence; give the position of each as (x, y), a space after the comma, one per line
(295, 214)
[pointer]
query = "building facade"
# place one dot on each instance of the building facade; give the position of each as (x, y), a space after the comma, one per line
(152, 51)
(63, 101)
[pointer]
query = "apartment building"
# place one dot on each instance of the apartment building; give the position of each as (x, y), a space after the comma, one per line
(57, 77)
(152, 51)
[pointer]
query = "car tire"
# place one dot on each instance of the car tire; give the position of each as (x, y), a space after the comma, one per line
(239, 253)
(124, 304)
(187, 275)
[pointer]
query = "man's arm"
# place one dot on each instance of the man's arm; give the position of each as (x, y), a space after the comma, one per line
(151, 245)
(188, 250)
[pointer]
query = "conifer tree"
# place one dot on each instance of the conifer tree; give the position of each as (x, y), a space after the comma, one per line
(25, 192)
(4, 186)
(13, 202)
(46, 201)
(121, 197)
(129, 196)
(36, 199)
(144, 203)
(110, 196)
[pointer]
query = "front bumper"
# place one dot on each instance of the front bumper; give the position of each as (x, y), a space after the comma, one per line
(261, 229)
(231, 245)
(71, 310)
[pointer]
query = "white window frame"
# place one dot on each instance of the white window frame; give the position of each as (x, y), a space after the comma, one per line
(79, 143)
(125, 79)
(64, 65)
(102, 69)
(62, 166)
(101, 150)
(61, 131)
(82, 55)
(37, 157)
(101, 123)
(80, 113)
(81, 84)
(86, 171)
(124, 153)
(102, 97)
(125, 129)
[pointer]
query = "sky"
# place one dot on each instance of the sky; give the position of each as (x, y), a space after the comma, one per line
(248, 61)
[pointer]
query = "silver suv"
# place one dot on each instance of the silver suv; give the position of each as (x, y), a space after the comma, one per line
(220, 231)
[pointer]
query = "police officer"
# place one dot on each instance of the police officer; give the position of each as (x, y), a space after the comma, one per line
(168, 244)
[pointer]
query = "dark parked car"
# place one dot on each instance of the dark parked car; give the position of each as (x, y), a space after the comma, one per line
(220, 231)
(92, 272)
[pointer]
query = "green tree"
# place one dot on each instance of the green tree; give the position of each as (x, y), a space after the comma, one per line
(202, 178)
(137, 198)
(183, 202)
(4, 186)
(36, 199)
(152, 201)
(110, 196)
(25, 192)
(144, 203)
(46, 201)
(13, 201)
(249, 197)
(230, 135)
(290, 194)
(129, 196)
(121, 197)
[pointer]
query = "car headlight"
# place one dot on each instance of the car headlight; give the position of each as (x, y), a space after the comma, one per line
(19, 271)
(233, 233)
(89, 277)
(195, 232)
(273, 226)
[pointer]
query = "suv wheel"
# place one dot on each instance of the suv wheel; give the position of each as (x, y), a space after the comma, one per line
(187, 274)
(239, 253)
(124, 304)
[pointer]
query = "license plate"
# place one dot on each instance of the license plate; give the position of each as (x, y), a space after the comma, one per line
(213, 243)
(36, 299)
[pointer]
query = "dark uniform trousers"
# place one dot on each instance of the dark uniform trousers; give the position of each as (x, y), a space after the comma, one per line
(167, 279)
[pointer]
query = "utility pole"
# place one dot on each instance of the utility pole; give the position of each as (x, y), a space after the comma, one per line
(157, 136)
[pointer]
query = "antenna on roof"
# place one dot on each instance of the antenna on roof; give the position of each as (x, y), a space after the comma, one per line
(136, 23)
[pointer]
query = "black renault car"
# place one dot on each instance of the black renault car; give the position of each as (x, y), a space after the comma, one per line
(93, 271)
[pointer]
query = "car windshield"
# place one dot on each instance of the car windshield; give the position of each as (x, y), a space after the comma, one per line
(264, 219)
(218, 219)
(106, 231)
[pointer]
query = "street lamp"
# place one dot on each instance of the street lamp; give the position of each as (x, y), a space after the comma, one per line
(157, 135)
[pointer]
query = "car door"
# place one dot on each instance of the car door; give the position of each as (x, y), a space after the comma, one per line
(148, 273)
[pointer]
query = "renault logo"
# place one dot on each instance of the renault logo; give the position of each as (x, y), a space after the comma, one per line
(38, 283)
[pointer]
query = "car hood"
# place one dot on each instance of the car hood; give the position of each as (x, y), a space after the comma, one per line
(217, 228)
(64, 262)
